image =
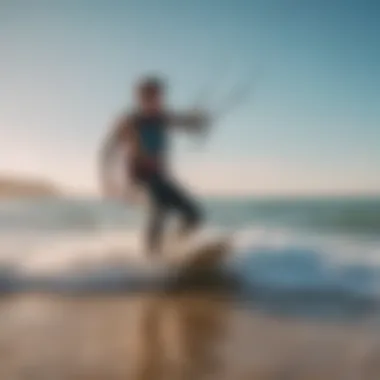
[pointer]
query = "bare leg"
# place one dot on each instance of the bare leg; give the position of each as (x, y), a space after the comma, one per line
(155, 229)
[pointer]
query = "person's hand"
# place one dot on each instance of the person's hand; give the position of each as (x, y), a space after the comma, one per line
(201, 120)
(110, 190)
(203, 117)
(134, 195)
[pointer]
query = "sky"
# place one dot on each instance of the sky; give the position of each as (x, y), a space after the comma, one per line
(309, 125)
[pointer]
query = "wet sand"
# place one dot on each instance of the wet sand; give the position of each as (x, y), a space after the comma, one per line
(187, 336)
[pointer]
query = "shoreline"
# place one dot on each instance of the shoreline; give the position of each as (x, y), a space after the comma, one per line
(174, 337)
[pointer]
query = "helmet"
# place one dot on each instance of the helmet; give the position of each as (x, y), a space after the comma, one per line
(151, 84)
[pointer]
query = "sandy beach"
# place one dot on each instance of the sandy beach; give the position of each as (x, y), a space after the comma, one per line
(187, 336)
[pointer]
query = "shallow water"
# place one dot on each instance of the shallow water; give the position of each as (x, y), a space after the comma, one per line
(315, 256)
(296, 298)
(186, 336)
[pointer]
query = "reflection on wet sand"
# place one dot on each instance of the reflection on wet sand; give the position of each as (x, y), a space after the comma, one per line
(178, 337)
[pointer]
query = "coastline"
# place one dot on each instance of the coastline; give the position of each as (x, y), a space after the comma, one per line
(14, 187)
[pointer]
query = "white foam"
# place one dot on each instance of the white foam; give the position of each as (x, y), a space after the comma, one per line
(269, 257)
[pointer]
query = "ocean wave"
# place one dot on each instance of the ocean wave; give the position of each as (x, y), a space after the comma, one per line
(350, 216)
(264, 266)
(66, 215)
(351, 219)
(280, 253)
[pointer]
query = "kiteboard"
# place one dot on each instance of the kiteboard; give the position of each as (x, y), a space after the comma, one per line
(198, 255)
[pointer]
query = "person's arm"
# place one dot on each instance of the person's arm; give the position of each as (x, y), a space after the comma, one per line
(191, 121)
(121, 134)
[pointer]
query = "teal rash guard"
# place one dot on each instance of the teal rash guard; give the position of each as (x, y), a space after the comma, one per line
(153, 139)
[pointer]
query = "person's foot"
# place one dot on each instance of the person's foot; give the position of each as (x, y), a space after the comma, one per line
(187, 232)
(153, 254)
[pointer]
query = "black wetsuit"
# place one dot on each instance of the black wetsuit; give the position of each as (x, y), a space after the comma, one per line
(150, 171)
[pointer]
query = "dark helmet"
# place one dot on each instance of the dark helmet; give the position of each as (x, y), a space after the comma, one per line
(151, 85)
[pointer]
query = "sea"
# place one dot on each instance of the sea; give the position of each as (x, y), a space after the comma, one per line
(318, 256)
(296, 297)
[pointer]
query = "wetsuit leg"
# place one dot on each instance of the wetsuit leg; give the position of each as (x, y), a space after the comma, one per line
(167, 196)
(156, 223)
(158, 211)
(177, 199)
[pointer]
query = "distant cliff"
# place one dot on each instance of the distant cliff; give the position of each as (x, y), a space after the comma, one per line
(12, 187)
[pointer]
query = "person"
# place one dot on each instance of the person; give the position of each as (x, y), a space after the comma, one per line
(144, 135)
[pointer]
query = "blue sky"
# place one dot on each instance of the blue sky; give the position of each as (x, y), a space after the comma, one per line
(311, 125)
